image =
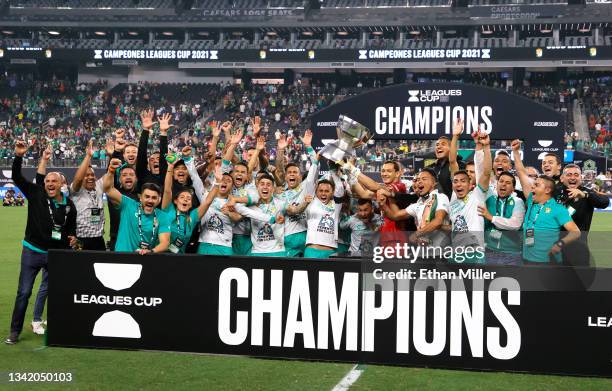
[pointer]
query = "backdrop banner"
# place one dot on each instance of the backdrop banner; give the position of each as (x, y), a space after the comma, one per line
(426, 111)
(532, 319)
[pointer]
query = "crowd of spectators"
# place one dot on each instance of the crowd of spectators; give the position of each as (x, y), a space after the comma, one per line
(66, 114)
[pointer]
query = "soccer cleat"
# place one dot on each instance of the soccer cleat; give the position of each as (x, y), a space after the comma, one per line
(37, 327)
(12, 339)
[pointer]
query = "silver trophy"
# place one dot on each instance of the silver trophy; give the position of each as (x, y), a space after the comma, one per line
(351, 135)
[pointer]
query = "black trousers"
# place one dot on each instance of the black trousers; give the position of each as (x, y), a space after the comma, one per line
(96, 244)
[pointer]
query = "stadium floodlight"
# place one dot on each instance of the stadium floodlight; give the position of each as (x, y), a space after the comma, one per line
(168, 33)
(377, 32)
(133, 33)
(308, 33)
(271, 33)
(100, 33)
(8, 32)
(53, 32)
(414, 32)
(203, 33)
(343, 33)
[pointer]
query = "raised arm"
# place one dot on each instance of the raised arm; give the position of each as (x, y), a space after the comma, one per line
(281, 160)
(167, 197)
(44, 160)
(108, 183)
(196, 181)
(80, 174)
(487, 163)
(254, 214)
(141, 159)
(164, 125)
(520, 168)
(259, 147)
(203, 208)
(296, 210)
(454, 145)
(22, 183)
(233, 142)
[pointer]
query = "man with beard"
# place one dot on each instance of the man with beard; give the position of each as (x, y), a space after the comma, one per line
(503, 213)
(322, 217)
(143, 228)
(467, 227)
(295, 226)
(267, 220)
(391, 232)
(442, 165)
(86, 192)
(148, 170)
(502, 163)
(51, 224)
(551, 167)
(363, 227)
(430, 211)
(127, 187)
(580, 203)
(544, 218)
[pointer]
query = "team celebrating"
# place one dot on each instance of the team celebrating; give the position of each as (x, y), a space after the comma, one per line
(218, 204)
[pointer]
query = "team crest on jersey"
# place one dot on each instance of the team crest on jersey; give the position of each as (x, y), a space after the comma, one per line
(299, 217)
(265, 233)
(326, 225)
(215, 224)
(460, 224)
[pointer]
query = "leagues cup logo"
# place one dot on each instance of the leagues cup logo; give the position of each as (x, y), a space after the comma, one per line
(414, 95)
(351, 135)
(117, 324)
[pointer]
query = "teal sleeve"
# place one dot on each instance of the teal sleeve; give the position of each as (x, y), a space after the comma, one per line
(563, 217)
(164, 222)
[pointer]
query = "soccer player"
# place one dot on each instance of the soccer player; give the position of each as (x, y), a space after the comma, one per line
(364, 187)
(430, 211)
(143, 228)
(267, 220)
(544, 218)
(363, 227)
(51, 224)
(322, 217)
(295, 226)
(216, 228)
(503, 212)
(86, 192)
(467, 226)
(148, 170)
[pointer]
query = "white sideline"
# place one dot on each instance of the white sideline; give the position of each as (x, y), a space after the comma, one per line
(348, 380)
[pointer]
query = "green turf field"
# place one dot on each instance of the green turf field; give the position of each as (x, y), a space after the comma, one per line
(120, 370)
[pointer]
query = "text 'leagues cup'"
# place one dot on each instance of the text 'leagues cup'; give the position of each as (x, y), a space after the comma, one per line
(351, 135)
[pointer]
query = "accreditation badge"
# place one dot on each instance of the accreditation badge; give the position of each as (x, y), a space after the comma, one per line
(176, 246)
(56, 232)
(529, 237)
(95, 216)
(495, 234)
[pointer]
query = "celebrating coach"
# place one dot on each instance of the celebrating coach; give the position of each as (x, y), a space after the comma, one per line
(51, 224)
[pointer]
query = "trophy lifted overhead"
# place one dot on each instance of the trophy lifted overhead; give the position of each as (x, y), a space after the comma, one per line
(351, 135)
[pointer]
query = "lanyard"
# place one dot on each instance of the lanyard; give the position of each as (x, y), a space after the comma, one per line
(501, 201)
(178, 223)
(270, 209)
(155, 225)
(331, 208)
(51, 215)
(536, 216)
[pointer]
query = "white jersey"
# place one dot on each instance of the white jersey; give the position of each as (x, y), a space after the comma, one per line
(216, 227)
(267, 237)
(294, 197)
(361, 230)
(243, 227)
(468, 226)
(418, 209)
(322, 223)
